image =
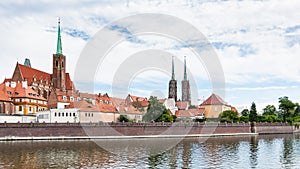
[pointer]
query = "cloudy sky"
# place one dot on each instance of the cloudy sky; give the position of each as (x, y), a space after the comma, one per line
(257, 44)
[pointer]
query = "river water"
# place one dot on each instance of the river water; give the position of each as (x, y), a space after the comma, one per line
(265, 151)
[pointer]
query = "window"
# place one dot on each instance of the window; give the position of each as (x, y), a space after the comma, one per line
(70, 114)
(29, 108)
(66, 114)
(92, 114)
(55, 114)
(20, 108)
(216, 108)
(58, 114)
(62, 114)
(85, 114)
(62, 64)
(100, 101)
(74, 114)
(64, 97)
(56, 63)
(71, 98)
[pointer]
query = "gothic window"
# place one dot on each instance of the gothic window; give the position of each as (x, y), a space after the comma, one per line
(56, 63)
(62, 64)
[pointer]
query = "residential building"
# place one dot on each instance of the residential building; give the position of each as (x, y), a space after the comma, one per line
(25, 100)
(190, 114)
(214, 106)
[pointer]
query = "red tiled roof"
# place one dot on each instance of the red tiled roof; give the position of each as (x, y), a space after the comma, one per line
(137, 98)
(20, 92)
(190, 112)
(3, 94)
(28, 73)
(84, 106)
(106, 104)
(125, 109)
(182, 105)
(214, 100)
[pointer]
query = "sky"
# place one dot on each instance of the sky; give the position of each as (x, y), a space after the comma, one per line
(256, 42)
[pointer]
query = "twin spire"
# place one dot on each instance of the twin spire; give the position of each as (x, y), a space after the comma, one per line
(173, 74)
(59, 46)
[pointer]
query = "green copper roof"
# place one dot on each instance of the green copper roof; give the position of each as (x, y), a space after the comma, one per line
(185, 76)
(59, 46)
(27, 62)
(173, 74)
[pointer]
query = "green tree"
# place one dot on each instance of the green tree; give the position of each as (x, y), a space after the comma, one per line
(297, 110)
(229, 116)
(270, 110)
(245, 112)
(253, 113)
(286, 106)
(157, 112)
(244, 119)
(123, 118)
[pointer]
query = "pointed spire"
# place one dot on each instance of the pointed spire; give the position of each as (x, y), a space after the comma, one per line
(173, 74)
(59, 46)
(185, 76)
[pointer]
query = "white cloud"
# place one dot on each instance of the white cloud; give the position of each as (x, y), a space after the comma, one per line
(257, 48)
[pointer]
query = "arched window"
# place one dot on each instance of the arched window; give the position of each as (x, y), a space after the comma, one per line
(62, 64)
(56, 63)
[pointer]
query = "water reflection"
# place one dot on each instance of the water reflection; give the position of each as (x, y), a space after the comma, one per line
(269, 151)
(253, 151)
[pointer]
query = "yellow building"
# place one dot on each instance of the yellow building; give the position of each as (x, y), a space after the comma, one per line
(214, 106)
(25, 99)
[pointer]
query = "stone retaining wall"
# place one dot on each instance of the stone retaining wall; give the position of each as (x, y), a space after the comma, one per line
(133, 129)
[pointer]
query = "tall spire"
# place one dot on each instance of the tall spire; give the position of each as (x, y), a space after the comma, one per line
(173, 74)
(185, 76)
(59, 46)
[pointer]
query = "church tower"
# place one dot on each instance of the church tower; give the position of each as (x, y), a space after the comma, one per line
(173, 84)
(59, 65)
(186, 93)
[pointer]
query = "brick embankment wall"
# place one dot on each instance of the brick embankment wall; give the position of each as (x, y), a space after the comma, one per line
(134, 129)
(116, 129)
(273, 128)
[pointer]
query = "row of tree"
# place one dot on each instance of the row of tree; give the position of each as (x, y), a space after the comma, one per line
(287, 112)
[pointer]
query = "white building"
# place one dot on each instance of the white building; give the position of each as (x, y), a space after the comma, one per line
(171, 105)
(17, 119)
(58, 115)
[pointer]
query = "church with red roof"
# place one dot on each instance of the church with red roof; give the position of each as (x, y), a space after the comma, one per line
(55, 87)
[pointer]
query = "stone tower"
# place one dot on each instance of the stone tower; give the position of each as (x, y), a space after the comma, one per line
(59, 65)
(173, 84)
(186, 93)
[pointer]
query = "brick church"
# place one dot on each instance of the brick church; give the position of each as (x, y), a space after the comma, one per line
(185, 84)
(56, 87)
